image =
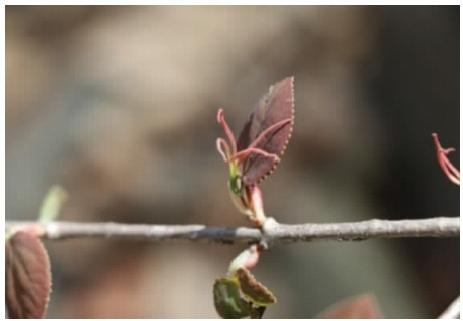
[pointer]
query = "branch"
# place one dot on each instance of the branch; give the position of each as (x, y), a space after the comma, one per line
(356, 231)
(452, 311)
(271, 232)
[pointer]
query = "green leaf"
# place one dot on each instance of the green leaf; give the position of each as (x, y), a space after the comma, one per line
(52, 204)
(28, 280)
(253, 290)
(257, 312)
(228, 301)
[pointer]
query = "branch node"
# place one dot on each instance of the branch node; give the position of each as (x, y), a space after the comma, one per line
(268, 229)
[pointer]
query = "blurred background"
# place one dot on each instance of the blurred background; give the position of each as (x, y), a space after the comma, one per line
(118, 104)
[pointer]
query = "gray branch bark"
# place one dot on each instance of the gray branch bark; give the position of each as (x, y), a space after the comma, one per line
(272, 232)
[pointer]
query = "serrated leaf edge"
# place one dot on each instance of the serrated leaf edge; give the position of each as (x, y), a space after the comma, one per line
(285, 145)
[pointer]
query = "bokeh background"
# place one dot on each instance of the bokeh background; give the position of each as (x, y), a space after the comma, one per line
(118, 104)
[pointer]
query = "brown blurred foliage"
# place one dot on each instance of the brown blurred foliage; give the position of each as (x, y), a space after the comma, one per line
(118, 105)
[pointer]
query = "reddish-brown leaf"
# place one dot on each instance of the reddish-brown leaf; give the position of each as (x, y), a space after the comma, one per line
(358, 307)
(253, 289)
(277, 105)
(28, 282)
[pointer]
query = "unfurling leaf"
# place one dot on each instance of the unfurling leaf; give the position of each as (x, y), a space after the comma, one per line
(255, 291)
(240, 295)
(227, 300)
(263, 138)
(28, 280)
(257, 152)
(358, 307)
(275, 107)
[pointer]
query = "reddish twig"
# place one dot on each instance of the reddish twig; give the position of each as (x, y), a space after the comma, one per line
(447, 167)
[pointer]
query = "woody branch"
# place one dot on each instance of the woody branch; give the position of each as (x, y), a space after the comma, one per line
(271, 232)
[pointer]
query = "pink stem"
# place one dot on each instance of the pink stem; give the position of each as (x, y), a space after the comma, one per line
(246, 152)
(227, 130)
(450, 165)
(257, 204)
(447, 167)
(225, 151)
(253, 259)
(268, 130)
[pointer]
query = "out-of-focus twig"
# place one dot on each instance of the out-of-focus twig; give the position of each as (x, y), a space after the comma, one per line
(452, 311)
(272, 232)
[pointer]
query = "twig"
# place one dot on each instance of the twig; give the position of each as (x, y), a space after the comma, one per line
(452, 311)
(272, 231)
(432, 227)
